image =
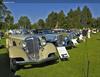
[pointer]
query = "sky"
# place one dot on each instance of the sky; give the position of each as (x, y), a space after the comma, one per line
(36, 11)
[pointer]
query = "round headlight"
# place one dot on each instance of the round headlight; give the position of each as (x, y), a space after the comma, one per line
(43, 43)
(24, 44)
(55, 39)
(63, 42)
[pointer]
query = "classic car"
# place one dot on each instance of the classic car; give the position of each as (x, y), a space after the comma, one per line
(28, 50)
(58, 39)
(73, 36)
(68, 43)
(49, 36)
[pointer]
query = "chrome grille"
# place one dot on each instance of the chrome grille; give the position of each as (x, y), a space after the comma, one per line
(32, 44)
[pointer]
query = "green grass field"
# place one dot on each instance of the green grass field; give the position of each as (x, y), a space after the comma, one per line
(83, 59)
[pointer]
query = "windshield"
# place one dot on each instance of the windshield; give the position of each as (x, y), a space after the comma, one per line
(51, 37)
(47, 32)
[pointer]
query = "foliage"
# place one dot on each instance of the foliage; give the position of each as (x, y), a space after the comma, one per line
(86, 16)
(98, 22)
(51, 20)
(9, 21)
(41, 24)
(61, 19)
(34, 26)
(24, 22)
(74, 19)
(4, 12)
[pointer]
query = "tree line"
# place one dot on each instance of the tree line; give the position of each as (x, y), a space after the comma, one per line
(73, 19)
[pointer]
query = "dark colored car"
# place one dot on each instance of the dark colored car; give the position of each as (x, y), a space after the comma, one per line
(68, 43)
(56, 39)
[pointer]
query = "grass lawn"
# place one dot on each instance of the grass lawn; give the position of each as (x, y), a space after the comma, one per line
(85, 58)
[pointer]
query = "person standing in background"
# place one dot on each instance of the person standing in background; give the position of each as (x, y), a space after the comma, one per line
(84, 33)
(89, 33)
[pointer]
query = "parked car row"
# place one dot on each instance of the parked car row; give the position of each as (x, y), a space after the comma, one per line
(57, 38)
(40, 46)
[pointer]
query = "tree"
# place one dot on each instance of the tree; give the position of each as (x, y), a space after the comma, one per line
(73, 18)
(51, 20)
(69, 19)
(98, 22)
(61, 19)
(86, 16)
(3, 11)
(9, 21)
(77, 17)
(41, 24)
(24, 22)
(15, 26)
(34, 26)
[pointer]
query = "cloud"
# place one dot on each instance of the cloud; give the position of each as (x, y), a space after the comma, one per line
(6, 2)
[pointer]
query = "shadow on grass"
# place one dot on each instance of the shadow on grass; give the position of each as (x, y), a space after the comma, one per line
(12, 74)
(98, 39)
(5, 67)
(69, 48)
(2, 46)
(35, 66)
(40, 65)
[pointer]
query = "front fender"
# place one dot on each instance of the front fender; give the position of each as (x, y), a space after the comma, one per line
(16, 52)
(46, 50)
